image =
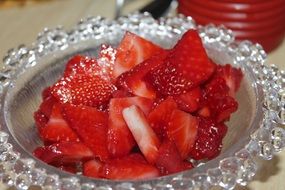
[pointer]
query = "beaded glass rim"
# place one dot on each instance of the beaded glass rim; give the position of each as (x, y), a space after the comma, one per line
(239, 167)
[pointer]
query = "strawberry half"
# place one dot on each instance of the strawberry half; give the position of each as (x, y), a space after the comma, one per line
(189, 101)
(83, 90)
(91, 126)
(186, 66)
(133, 50)
(57, 129)
(169, 160)
(92, 168)
(133, 80)
(231, 75)
(64, 153)
(129, 167)
(159, 117)
(120, 140)
(182, 129)
(208, 144)
(145, 137)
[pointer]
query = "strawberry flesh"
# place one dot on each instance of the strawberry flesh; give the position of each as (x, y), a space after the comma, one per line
(129, 167)
(91, 127)
(133, 50)
(144, 135)
(120, 141)
(64, 153)
(92, 168)
(182, 129)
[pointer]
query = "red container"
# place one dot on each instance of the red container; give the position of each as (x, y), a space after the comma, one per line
(260, 21)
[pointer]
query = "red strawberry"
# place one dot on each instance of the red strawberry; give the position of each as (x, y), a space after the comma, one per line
(129, 167)
(81, 65)
(169, 160)
(189, 101)
(120, 140)
(106, 60)
(186, 66)
(133, 80)
(46, 92)
(216, 97)
(182, 129)
(91, 168)
(83, 90)
(40, 120)
(232, 76)
(47, 105)
(133, 50)
(57, 129)
(91, 127)
(209, 139)
(121, 94)
(145, 137)
(159, 117)
(204, 112)
(64, 153)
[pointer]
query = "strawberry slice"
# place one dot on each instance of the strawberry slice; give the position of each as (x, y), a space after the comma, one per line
(46, 92)
(216, 97)
(129, 167)
(133, 50)
(47, 105)
(144, 135)
(68, 168)
(106, 60)
(159, 117)
(83, 90)
(91, 127)
(92, 168)
(133, 80)
(64, 153)
(232, 76)
(57, 129)
(81, 65)
(189, 101)
(120, 140)
(208, 144)
(186, 66)
(182, 129)
(169, 160)
(40, 120)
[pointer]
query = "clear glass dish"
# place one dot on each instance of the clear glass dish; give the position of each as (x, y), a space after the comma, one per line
(255, 130)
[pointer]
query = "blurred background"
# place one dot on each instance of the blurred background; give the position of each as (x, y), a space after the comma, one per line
(261, 21)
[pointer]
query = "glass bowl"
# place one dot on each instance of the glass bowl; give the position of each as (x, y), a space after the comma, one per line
(255, 130)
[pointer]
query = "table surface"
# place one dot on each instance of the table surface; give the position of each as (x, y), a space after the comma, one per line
(20, 25)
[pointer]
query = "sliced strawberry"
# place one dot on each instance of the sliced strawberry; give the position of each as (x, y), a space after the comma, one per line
(106, 60)
(57, 129)
(133, 80)
(91, 127)
(120, 140)
(47, 105)
(129, 167)
(232, 76)
(81, 65)
(169, 160)
(216, 97)
(83, 90)
(64, 153)
(144, 135)
(186, 66)
(209, 139)
(40, 120)
(204, 112)
(121, 94)
(92, 168)
(133, 50)
(189, 101)
(159, 117)
(182, 129)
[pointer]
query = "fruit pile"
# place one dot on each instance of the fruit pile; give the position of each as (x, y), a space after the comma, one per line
(137, 111)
